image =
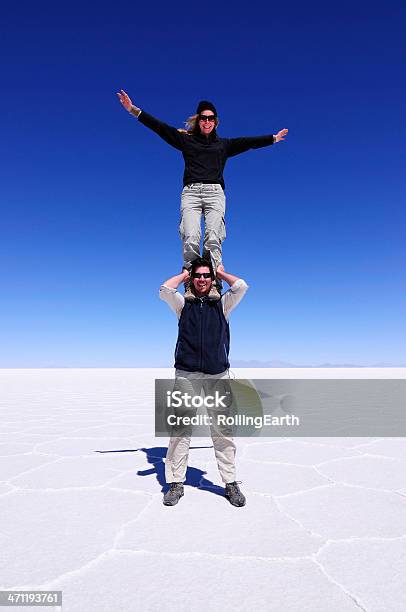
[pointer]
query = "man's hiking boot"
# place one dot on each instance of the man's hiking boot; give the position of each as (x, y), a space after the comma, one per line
(234, 495)
(189, 295)
(173, 495)
(214, 293)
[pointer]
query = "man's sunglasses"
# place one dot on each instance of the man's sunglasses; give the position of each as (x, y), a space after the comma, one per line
(204, 274)
(207, 118)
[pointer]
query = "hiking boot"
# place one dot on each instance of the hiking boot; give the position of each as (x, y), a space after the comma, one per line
(214, 293)
(174, 494)
(234, 495)
(189, 295)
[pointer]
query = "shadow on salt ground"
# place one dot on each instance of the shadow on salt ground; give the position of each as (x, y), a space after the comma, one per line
(155, 456)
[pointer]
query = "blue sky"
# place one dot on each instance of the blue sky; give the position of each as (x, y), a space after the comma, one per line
(90, 198)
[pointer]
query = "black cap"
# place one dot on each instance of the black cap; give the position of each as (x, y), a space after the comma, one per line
(205, 105)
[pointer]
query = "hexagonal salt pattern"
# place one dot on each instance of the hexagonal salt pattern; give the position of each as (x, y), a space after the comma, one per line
(81, 477)
(124, 581)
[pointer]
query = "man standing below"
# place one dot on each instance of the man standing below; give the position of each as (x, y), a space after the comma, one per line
(202, 352)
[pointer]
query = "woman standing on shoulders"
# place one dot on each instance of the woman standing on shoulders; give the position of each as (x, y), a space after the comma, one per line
(205, 155)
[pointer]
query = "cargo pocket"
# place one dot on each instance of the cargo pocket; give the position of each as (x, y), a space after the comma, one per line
(223, 232)
(181, 228)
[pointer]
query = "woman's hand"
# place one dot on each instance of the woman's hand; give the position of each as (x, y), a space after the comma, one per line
(281, 135)
(125, 100)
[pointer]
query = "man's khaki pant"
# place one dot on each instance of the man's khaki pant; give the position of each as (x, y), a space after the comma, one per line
(178, 449)
(208, 200)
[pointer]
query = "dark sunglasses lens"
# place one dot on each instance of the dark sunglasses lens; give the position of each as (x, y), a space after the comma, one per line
(207, 118)
(204, 274)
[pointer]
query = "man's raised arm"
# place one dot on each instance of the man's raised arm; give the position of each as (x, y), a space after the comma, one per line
(175, 281)
(234, 295)
(169, 294)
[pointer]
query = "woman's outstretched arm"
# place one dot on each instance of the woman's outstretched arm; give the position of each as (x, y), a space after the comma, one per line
(235, 146)
(168, 133)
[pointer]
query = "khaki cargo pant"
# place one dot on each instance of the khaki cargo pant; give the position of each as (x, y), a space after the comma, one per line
(178, 449)
(208, 200)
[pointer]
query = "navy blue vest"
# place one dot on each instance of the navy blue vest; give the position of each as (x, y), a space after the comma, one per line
(204, 337)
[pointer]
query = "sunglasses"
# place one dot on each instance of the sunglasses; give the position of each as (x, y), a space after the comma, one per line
(207, 118)
(204, 274)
